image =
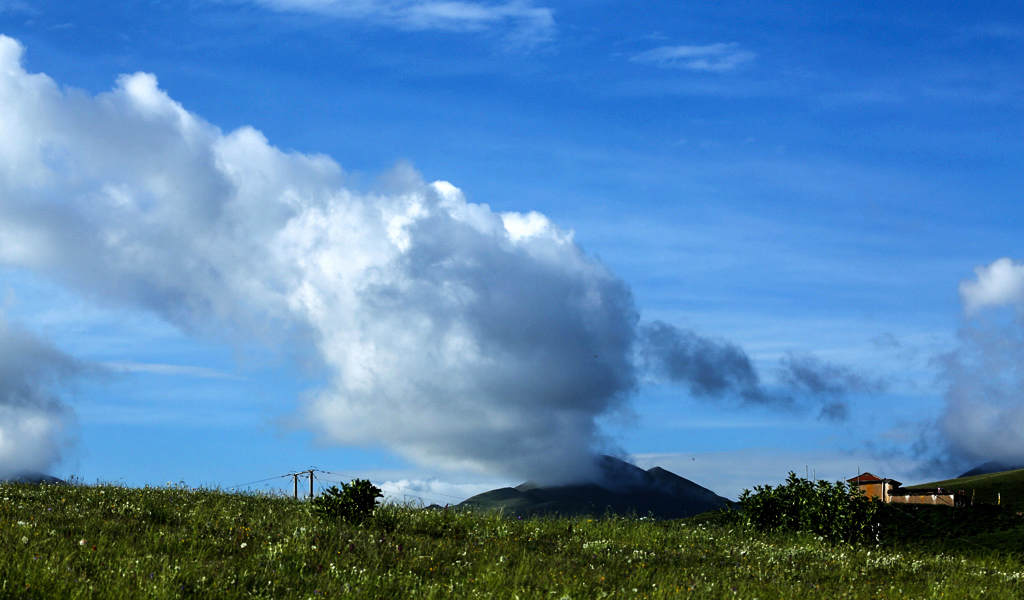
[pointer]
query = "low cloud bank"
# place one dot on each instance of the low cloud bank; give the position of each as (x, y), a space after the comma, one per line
(983, 417)
(34, 421)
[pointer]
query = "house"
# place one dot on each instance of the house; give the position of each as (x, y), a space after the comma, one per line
(875, 487)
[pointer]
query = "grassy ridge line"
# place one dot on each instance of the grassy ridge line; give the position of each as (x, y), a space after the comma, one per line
(987, 488)
(115, 542)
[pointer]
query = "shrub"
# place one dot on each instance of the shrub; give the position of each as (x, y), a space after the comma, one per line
(836, 511)
(355, 501)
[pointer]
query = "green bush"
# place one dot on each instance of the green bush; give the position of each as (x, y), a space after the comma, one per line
(355, 501)
(836, 511)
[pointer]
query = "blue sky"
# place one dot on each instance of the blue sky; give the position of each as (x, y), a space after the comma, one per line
(823, 191)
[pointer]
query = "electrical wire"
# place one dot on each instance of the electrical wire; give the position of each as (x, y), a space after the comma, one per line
(259, 481)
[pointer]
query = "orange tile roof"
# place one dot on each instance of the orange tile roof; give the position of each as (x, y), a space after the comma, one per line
(866, 478)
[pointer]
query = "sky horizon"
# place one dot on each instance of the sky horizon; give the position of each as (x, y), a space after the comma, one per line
(449, 246)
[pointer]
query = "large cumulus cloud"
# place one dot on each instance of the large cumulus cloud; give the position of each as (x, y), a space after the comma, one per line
(451, 333)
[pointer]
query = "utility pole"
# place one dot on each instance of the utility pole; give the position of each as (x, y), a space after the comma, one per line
(295, 483)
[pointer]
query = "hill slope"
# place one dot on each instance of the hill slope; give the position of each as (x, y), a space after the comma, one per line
(1006, 488)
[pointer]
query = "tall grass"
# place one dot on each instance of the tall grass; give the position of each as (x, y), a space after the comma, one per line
(118, 542)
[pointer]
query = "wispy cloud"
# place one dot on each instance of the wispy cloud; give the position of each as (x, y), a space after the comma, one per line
(717, 58)
(998, 31)
(162, 369)
(14, 6)
(520, 21)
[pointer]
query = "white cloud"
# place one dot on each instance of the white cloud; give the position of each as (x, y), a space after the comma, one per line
(520, 20)
(431, 491)
(998, 284)
(448, 335)
(719, 57)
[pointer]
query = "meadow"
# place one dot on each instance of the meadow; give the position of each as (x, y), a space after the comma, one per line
(109, 541)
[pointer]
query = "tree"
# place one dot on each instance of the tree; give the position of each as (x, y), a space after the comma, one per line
(836, 511)
(355, 501)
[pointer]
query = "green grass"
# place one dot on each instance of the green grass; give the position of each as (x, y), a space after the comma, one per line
(987, 488)
(118, 542)
(958, 530)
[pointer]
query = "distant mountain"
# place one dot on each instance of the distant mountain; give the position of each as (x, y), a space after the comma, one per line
(621, 489)
(992, 466)
(32, 477)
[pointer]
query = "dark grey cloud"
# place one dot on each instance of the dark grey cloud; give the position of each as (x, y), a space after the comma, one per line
(719, 369)
(828, 383)
(710, 368)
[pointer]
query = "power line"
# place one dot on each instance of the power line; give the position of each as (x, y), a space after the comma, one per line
(259, 481)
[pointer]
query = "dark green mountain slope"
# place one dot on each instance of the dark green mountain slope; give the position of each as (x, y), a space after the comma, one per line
(992, 466)
(621, 489)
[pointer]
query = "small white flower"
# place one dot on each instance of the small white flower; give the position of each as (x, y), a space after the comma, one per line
(24, 540)
(81, 542)
(244, 544)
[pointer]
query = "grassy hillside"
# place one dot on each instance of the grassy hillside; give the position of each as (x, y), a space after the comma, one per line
(986, 488)
(115, 542)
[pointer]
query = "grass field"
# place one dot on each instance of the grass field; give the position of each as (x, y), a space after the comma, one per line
(117, 542)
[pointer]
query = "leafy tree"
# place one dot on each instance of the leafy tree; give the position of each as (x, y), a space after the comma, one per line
(836, 511)
(355, 501)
